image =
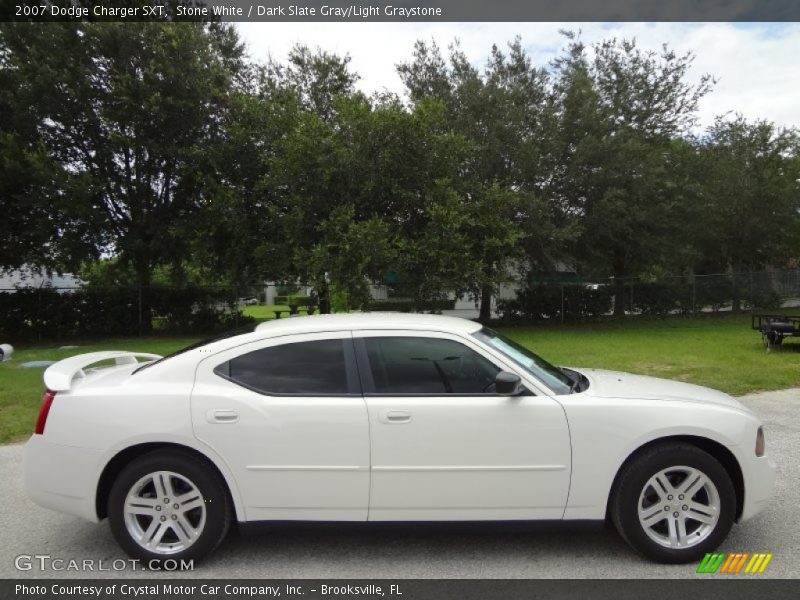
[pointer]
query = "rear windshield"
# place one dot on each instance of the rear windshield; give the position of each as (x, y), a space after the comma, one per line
(222, 336)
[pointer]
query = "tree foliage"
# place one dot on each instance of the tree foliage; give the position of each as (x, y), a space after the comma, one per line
(162, 149)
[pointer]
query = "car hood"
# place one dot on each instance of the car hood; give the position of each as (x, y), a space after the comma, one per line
(615, 384)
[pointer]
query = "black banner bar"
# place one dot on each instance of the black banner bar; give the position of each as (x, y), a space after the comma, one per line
(738, 588)
(402, 10)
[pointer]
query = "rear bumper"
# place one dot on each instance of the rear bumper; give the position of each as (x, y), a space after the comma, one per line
(759, 486)
(62, 478)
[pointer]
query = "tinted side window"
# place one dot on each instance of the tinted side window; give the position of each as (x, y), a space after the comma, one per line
(415, 365)
(312, 368)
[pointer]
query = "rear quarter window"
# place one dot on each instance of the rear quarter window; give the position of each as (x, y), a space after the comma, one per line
(303, 368)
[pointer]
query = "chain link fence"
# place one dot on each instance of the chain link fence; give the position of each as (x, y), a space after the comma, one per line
(673, 295)
(30, 313)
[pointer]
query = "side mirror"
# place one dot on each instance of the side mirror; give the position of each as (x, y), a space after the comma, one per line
(507, 383)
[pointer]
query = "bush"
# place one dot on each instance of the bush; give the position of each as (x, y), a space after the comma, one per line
(542, 302)
(661, 298)
(92, 312)
(407, 305)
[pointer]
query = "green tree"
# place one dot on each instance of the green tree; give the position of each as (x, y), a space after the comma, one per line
(356, 175)
(128, 111)
(500, 112)
(750, 196)
(619, 114)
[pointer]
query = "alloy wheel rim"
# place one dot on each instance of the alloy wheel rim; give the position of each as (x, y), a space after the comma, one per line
(679, 507)
(165, 513)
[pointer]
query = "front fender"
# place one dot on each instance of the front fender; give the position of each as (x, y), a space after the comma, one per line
(606, 432)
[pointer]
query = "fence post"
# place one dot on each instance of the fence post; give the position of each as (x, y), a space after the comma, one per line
(633, 283)
(139, 301)
(694, 294)
(562, 303)
(236, 307)
(39, 312)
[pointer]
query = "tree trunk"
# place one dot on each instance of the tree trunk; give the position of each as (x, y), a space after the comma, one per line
(619, 269)
(736, 296)
(143, 280)
(323, 293)
(619, 297)
(485, 314)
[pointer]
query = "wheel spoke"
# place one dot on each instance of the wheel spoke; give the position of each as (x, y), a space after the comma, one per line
(157, 534)
(186, 527)
(191, 503)
(160, 480)
(692, 484)
(672, 524)
(167, 479)
(700, 517)
(664, 487)
(180, 531)
(141, 506)
(651, 515)
(680, 524)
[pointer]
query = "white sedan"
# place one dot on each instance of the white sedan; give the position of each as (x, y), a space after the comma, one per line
(387, 417)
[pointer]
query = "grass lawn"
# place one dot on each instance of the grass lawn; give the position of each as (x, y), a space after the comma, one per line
(720, 352)
(21, 389)
(264, 312)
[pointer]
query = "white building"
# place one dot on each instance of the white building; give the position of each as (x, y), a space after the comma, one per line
(30, 277)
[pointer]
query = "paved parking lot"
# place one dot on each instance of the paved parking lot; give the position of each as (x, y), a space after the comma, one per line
(418, 552)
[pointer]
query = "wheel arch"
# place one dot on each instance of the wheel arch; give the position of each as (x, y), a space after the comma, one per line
(726, 458)
(122, 458)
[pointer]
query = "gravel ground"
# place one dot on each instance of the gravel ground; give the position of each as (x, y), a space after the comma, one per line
(419, 552)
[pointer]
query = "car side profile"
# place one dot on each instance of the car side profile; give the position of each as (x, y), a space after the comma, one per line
(387, 417)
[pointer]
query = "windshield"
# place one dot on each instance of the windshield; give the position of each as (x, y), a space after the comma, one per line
(222, 336)
(551, 376)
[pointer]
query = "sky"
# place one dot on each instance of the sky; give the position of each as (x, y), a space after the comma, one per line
(757, 66)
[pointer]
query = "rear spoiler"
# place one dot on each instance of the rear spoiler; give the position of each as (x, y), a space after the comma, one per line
(58, 377)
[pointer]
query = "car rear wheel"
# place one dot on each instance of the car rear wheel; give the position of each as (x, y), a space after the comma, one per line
(674, 503)
(169, 505)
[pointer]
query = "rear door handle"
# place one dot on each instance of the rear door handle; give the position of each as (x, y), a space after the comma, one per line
(395, 416)
(222, 415)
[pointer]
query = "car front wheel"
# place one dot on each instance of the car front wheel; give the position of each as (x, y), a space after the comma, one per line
(169, 505)
(674, 503)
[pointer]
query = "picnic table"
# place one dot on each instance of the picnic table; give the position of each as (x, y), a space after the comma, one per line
(296, 310)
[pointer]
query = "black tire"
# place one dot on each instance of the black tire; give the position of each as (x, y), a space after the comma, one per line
(215, 499)
(631, 482)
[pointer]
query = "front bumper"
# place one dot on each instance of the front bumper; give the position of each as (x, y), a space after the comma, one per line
(759, 486)
(62, 478)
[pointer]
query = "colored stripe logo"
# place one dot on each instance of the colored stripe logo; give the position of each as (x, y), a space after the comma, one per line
(734, 563)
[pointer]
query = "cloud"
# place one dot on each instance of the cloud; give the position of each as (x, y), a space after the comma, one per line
(756, 66)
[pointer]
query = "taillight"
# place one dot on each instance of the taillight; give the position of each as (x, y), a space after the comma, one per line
(760, 443)
(47, 402)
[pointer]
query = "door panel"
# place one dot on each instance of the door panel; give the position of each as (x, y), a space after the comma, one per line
(293, 456)
(455, 456)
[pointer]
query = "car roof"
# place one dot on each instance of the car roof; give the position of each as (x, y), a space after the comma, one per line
(312, 324)
(372, 320)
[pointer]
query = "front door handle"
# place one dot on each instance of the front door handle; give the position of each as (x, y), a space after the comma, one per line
(222, 415)
(395, 416)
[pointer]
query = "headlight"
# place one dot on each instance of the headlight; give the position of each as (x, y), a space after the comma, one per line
(760, 444)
